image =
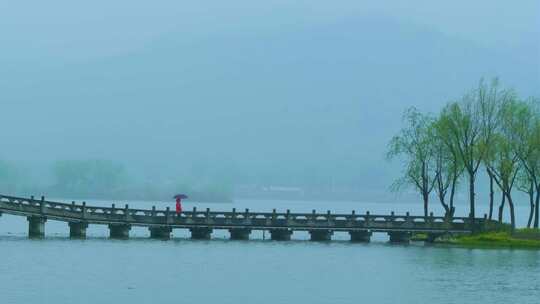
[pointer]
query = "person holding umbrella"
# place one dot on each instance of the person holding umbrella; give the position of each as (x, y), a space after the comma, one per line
(179, 198)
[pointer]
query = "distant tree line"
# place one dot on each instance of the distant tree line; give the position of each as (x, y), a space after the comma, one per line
(489, 128)
(106, 179)
(84, 178)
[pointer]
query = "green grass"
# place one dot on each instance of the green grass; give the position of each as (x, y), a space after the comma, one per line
(527, 234)
(499, 239)
(419, 237)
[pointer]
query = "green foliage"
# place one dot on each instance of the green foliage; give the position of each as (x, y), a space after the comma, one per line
(419, 237)
(489, 125)
(448, 165)
(526, 141)
(502, 158)
(413, 146)
(467, 127)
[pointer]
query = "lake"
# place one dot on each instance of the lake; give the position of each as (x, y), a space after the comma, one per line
(140, 270)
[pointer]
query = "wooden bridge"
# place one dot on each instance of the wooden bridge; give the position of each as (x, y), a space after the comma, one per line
(239, 223)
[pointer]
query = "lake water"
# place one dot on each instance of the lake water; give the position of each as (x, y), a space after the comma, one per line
(139, 270)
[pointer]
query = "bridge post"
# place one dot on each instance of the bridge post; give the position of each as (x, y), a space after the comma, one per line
(362, 236)
(351, 219)
(240, 233)
(119, 231)
(321, 235)
(207, 218)
(328, 218)
(280, 234)
(201, 233)
(42, 205)
(399, 236)
(160, 232)
(36, 226)
(126, 212)
(367, 219)
(83, 210)
(77, 230)
(167, 215)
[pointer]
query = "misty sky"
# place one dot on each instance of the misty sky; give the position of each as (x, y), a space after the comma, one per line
(293, 88)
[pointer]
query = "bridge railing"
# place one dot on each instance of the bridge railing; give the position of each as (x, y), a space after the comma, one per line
(124, 214)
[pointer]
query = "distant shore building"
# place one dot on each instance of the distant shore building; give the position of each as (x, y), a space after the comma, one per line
(296, 191)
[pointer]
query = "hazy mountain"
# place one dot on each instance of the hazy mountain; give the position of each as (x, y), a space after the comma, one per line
(293, 105)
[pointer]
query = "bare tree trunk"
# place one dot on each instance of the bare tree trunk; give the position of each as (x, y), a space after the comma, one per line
(446, 209)
(471, 198)
(442, 193)
(491, 195)
(537, 207)
(452, 194)
(426, 199)
(501, 208)
(512, 215)
(443, 203)
(531, 201)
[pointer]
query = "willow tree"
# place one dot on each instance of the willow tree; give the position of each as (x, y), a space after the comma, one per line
(448, 168)
(527, 142)
(526, 185)
(413, 145)
(468, 127)
(503, 159)
(491, 177)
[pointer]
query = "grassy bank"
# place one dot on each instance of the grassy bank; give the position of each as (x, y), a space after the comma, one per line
(521, 238)
(419, 237)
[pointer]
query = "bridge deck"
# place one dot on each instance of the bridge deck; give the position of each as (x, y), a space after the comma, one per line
(246, 219)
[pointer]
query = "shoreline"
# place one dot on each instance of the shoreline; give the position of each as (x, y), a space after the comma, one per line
(519, 239)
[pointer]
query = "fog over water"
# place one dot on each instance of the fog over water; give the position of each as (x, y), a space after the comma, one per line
(303, 94)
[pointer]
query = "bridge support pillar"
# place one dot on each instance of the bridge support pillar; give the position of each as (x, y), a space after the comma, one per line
(280, 234)
(360, 236)
(77, 230)
(201, 233)
(119, 231)
(36, 227)
(321, 235)
(160, 232)
(399, 236)
(240, 233)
